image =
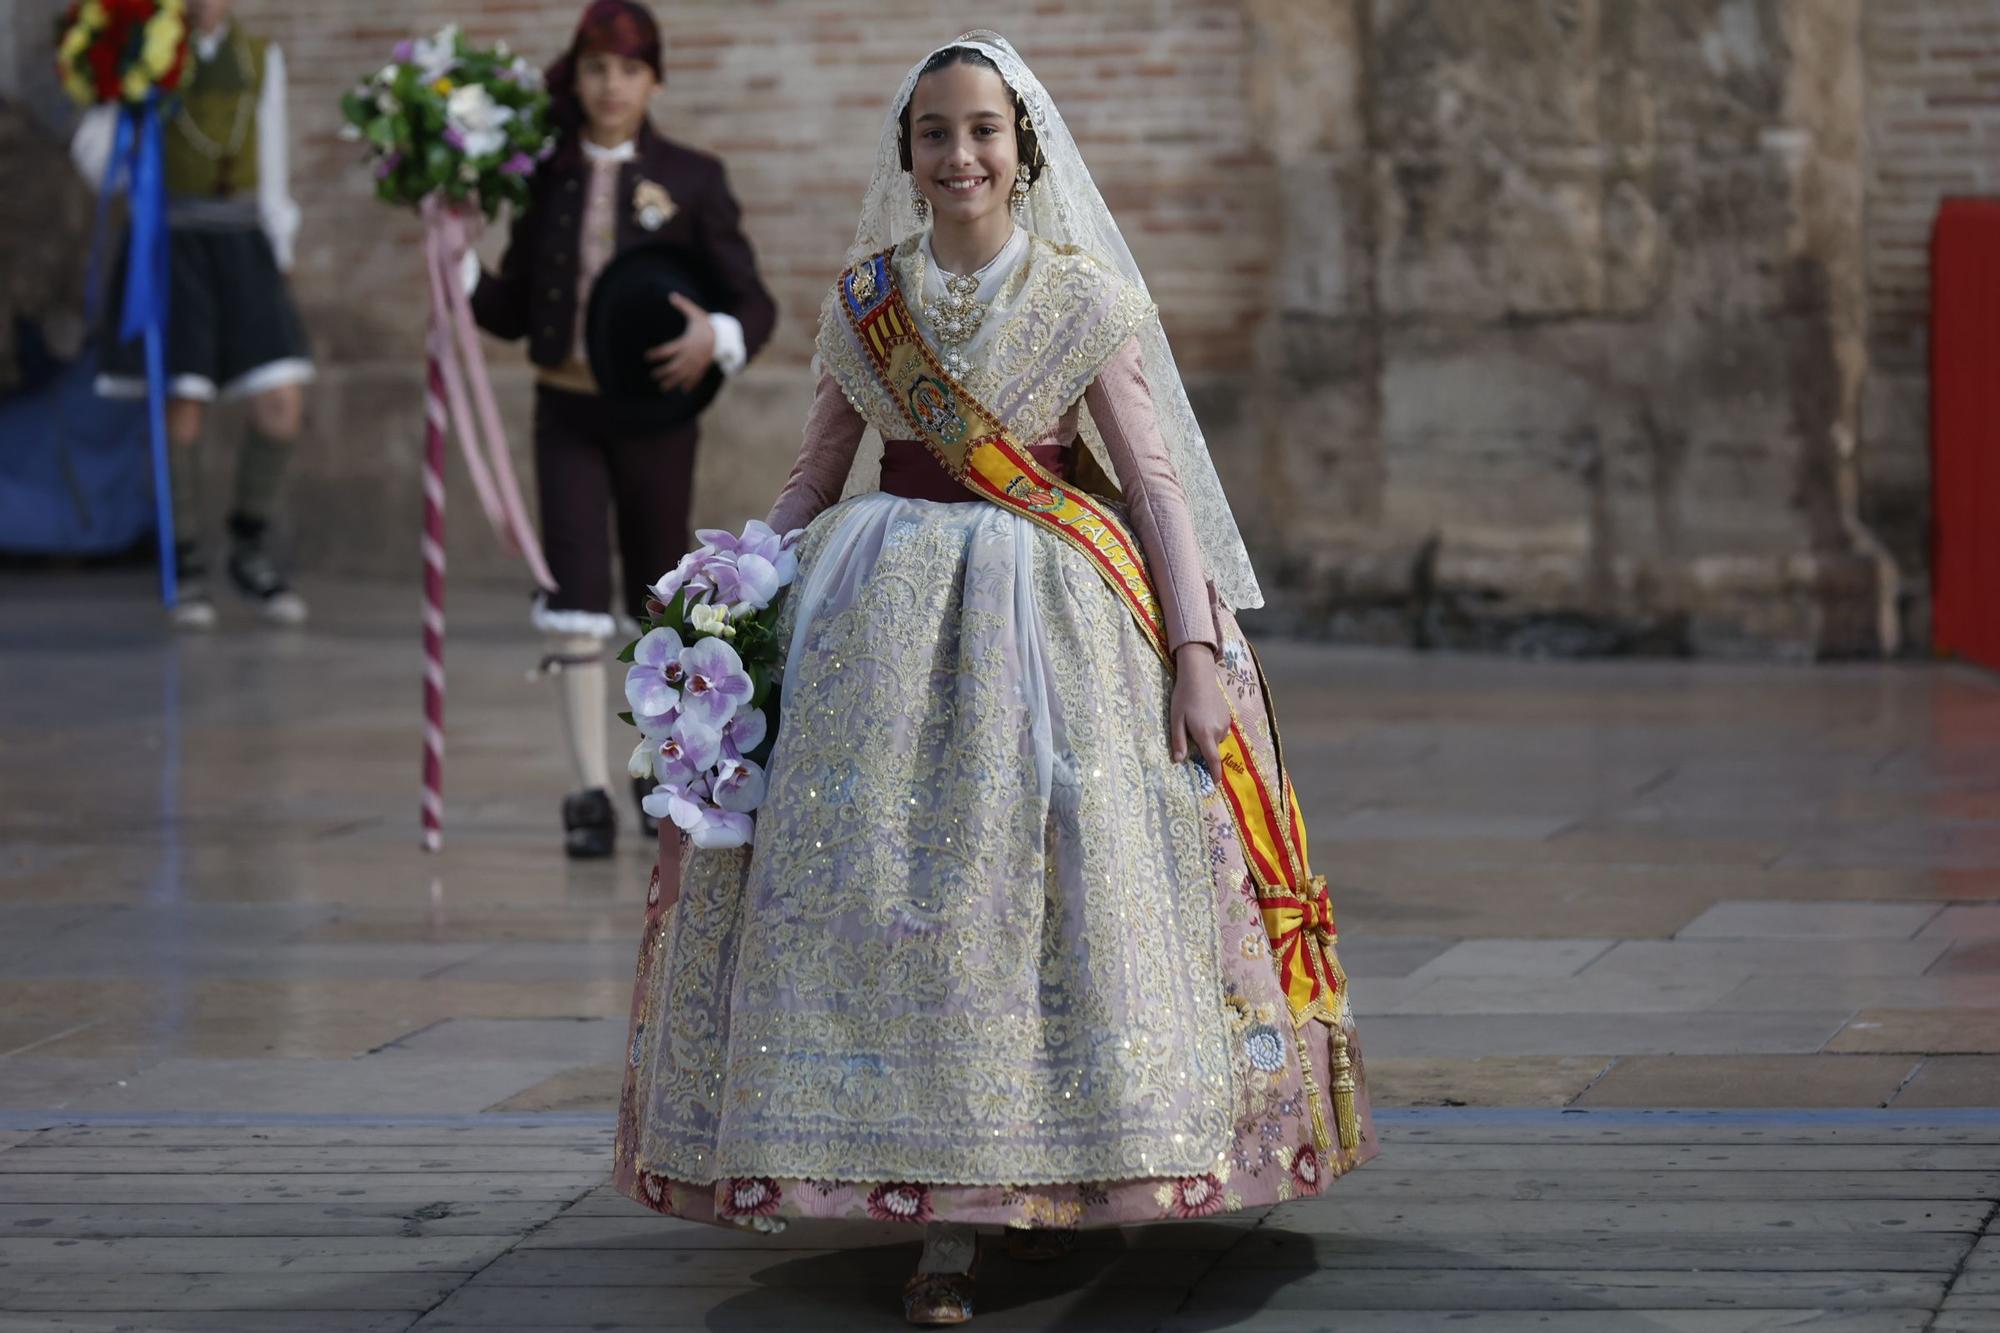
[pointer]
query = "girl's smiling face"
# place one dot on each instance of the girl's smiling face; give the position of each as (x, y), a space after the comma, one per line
(963, 152)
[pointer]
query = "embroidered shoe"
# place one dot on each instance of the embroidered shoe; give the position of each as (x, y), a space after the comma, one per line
(256, 574)
(937, 1300)
(590, 826)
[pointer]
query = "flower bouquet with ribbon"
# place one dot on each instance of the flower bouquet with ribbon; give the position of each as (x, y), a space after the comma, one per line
(704, 681)
(132, 54)
(455, 131)
(451, 122)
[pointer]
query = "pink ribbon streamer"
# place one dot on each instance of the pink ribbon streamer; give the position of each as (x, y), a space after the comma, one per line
(475, 415)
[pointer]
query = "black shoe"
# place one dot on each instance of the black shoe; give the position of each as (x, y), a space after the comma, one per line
(590, 827)
(256, 574)
(641, 789)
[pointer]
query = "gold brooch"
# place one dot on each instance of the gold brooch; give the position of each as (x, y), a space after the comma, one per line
(653, 204)
(862, 285)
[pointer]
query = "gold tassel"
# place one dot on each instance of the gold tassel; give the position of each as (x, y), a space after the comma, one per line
(1344, 1112)
(1321, 1138)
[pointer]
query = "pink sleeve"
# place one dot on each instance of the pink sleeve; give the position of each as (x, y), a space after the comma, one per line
(1121, 403)
(833, 432)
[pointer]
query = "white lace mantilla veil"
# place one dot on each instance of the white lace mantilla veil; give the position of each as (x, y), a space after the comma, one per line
(1065, 207)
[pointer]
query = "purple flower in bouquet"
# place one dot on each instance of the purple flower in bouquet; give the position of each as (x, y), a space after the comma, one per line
(690, 576)
(455, 137)
(654, 682)
(708, 827)
(388, 164)
(404, 51)
(687, 752)
(519, 165)
(716, 683)
(745, 732)
(739, 786)
(748, 571)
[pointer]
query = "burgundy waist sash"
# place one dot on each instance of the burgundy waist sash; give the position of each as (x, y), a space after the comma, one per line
(911, 471)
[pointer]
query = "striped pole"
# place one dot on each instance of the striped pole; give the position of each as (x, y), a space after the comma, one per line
(433, 549)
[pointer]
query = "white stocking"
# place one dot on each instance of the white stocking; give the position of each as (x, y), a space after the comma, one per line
(577, 663)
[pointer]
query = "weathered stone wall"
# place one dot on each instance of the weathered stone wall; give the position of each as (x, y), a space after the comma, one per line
(1535, 323)
(1588, 374)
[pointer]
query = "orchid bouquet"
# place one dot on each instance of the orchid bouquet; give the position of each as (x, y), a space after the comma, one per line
(703, 682)
(444, 116)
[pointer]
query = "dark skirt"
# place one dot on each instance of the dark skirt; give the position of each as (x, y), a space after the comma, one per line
(231, 326)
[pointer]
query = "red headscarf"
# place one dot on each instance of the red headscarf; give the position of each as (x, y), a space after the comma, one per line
(620, 27)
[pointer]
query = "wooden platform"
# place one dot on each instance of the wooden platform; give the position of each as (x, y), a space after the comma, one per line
(1576, 1222)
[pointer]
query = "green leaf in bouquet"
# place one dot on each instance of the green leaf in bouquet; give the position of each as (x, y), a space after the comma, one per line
(773, 706)
(626, 718)
(627, 653)
(381, 132)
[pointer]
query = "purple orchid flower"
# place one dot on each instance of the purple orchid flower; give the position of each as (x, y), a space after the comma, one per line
(707, 827)
(654, 682)
(687, 753)
(739, 786)
(403, 52)
(751, 569)
(518, 165)
(388, 164)
(454, 138)
(690, 576)
(716, 683)
(745, 732)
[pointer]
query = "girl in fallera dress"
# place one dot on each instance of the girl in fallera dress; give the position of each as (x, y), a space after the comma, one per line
(1026, 937)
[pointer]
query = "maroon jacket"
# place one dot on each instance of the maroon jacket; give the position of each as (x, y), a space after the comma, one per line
(534, 293)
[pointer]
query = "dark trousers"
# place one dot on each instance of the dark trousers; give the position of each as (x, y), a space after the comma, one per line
(587, 470)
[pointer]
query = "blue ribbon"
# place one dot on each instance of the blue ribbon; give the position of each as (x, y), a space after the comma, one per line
(138, 163)
(146, 274)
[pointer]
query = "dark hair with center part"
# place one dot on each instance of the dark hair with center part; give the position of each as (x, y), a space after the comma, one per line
(1024, 136)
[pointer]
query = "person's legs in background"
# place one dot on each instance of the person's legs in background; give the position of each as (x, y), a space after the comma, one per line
(652, 491)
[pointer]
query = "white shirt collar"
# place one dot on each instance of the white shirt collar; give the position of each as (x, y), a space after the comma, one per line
(624, 152)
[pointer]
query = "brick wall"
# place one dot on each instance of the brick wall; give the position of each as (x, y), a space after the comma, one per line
(791, 95)
(1934, 132)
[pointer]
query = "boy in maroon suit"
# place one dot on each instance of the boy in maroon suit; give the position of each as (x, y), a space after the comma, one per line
(614, 184)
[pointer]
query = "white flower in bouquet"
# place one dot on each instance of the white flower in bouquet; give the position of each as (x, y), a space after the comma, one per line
(436, 56)
(708, 618)
(475, 123)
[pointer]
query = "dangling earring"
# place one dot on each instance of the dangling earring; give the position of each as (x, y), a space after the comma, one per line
(1023, 179)
(918, 202)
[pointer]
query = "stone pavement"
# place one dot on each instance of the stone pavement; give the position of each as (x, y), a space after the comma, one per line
(1566, 1222)
(1593, 886)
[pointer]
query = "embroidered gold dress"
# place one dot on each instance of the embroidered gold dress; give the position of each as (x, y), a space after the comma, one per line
(993, 956)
